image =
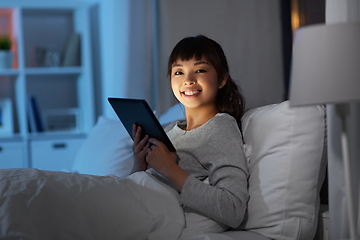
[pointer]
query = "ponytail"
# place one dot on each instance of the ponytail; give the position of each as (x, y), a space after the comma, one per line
(231, 101)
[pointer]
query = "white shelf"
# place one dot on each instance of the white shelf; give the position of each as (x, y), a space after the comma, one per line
(49, 25)
(55, 135)
(53, 70)
(14, 138)
(9, 72)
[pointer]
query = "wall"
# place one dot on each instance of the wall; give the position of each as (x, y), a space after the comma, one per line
(248, 31)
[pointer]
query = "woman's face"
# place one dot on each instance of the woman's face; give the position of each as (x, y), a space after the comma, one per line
(195, 83)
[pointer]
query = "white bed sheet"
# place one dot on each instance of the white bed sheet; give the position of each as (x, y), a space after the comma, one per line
(38, 204)
(229, 235)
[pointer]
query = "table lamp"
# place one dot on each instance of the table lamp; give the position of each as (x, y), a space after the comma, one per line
(326, 70)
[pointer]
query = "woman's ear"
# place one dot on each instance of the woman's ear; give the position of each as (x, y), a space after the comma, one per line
(223, 81)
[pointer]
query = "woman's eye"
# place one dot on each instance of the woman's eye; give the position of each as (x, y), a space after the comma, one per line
(177, 73)
(201, 71)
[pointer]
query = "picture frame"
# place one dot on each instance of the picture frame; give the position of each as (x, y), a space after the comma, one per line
(62, 120)
(6, 117)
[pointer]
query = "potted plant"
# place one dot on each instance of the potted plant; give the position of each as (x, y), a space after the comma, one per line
(6, 56)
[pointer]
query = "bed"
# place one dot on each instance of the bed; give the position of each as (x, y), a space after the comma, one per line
(286, 153)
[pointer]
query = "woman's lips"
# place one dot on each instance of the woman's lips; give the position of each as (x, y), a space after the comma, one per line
(191, 93)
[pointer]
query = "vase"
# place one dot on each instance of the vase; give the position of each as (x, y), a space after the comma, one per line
(6, 59)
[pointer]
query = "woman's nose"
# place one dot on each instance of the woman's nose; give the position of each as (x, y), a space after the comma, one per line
(189, 79)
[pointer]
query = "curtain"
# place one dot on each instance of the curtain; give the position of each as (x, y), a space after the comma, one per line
(343, 11)
(127, 30)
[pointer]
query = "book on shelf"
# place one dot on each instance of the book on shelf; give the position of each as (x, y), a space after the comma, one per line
(72, 51)
(34, 115)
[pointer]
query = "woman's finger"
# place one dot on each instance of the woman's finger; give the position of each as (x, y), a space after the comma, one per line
(154, 141)
(140, 145)
(136, 136)
(134, 130)
(145, 150)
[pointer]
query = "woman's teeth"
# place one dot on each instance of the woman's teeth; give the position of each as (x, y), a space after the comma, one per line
(190, 93)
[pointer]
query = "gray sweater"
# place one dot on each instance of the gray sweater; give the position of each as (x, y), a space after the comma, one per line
(213, 152)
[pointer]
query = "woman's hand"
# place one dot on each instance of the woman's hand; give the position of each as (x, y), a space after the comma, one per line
(159, 157)
(163, 161)
(140, 148)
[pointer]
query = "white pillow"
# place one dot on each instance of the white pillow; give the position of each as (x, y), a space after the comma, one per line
(285, 148)
(176, 112)
(107, 150)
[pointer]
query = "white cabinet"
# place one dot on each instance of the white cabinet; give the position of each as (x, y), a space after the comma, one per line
(56, 154)
(52, 65)
(11, 154)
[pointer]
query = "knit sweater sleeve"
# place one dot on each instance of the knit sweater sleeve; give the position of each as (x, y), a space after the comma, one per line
(224, 199)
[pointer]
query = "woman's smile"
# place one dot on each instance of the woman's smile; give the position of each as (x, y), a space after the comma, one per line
(191, 93)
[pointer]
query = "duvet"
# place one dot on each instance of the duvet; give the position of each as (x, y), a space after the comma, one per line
(37, 204)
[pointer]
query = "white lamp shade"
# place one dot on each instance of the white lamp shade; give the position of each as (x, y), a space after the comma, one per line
(326, 64)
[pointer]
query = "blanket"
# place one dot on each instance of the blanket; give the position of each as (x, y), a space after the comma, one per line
(36, 204)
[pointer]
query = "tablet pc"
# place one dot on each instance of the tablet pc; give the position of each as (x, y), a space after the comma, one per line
(138, 111)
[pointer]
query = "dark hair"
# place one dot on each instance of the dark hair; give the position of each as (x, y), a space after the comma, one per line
(229, 99)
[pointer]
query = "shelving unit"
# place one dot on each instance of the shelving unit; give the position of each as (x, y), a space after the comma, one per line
(38, 29)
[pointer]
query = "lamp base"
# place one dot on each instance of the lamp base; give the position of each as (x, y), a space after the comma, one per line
(343, 111)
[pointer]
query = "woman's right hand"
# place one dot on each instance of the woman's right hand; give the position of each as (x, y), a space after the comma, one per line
(139, 148)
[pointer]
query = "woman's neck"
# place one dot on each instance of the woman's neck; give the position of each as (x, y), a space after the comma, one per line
(197, 117)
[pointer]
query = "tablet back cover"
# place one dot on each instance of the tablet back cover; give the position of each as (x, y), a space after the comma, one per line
(137, 111)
